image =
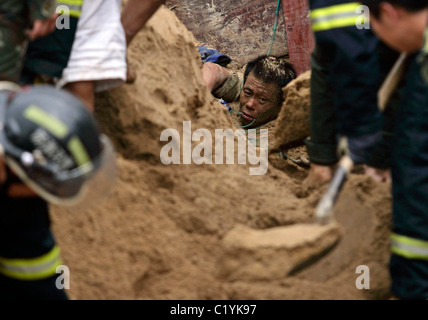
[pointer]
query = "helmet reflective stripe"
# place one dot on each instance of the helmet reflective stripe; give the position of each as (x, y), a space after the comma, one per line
(59, 130)
(338, 16)
(75, 7)
(410, 248)
(46, 121)
(32, 269)
(78, 151)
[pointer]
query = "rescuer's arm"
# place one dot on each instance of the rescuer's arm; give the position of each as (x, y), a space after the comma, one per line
(43, 18)
(135, 15)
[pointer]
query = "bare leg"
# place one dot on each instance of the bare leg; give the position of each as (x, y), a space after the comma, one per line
(85, 91)
(135, 15)
(2, 171)
(130, 73)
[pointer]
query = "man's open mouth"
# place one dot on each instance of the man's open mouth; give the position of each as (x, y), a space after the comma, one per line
(247, 117)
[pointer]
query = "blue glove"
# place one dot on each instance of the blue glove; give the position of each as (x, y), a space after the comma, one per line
(214, 56)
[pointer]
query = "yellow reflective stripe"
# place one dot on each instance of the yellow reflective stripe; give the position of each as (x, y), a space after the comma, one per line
(338, 16)
(340, 8)
(78, 151)
(70, 12)
(74, 6)
(32, 269)
(409, 241)
(410, 248)
(47, 121)
(339, 23)
(71, 2)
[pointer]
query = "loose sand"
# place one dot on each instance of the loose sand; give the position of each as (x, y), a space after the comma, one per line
(166, 231)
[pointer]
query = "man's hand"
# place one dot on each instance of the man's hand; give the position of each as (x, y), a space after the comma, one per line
(379, 175)
(42, 28)
(319, 174)
(135, 15)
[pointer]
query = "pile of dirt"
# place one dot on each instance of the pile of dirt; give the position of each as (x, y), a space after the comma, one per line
(161, 233)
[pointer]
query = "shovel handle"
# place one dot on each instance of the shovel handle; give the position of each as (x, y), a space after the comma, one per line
(324, 210)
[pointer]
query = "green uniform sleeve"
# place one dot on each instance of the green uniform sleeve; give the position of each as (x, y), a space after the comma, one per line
(231, 89)
(322, 144)
(41, 9)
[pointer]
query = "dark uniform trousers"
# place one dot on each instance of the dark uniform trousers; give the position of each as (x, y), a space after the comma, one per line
(29, 256)
(409, 241)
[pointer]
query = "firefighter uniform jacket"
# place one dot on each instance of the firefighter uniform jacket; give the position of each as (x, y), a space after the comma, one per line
(346, 63)
(345, 78)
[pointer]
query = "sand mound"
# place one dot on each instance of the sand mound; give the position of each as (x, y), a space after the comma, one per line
(161, 233)
(294, 113)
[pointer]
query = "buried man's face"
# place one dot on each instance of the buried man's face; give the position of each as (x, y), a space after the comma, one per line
(258, 102)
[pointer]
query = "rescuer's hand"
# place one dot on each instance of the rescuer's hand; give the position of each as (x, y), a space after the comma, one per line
(379, 175)
(319, 174)
(42, 28)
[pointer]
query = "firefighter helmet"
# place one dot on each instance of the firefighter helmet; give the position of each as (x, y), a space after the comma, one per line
(54, 144)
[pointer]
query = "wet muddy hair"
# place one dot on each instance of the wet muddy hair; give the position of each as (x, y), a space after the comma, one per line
(270, 69)
(409, 5)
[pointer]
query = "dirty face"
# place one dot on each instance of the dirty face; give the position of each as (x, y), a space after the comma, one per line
(400, 29)
(259, 102)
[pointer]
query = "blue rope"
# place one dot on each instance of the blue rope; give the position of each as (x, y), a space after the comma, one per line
(275, 26)
(225, 104)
